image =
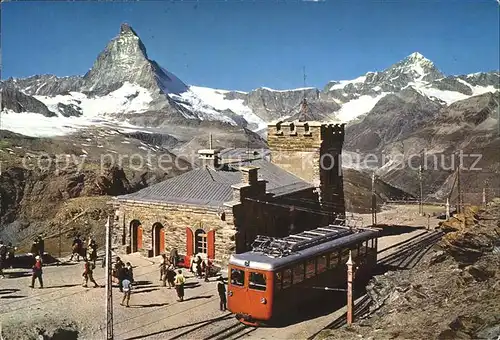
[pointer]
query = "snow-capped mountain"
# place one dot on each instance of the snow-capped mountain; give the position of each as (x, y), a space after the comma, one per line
(122, 85)
(126, 88)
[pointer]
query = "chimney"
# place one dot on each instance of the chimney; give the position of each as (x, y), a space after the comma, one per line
(209, 158)
(249, 174)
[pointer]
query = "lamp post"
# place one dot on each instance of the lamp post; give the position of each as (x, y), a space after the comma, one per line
(109, 292)
(349, 264)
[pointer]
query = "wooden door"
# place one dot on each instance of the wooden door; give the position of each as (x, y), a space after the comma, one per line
(161, 241)
(139, 238)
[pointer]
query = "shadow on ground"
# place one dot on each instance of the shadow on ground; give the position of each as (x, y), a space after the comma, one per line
(184, 334)
(198, 297)
(150, 305)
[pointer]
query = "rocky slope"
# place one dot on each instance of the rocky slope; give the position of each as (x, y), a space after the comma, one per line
(45, 183)
(452, 294)
(409, 129)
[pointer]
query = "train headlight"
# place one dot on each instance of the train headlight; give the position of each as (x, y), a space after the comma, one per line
(230, 293)
(263, 300)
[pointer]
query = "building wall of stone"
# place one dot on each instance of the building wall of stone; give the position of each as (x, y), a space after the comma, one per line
(312, 151)
(175, 219)
(261, 215)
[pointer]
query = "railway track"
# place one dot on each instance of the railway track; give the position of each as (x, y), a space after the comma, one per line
(404, 255)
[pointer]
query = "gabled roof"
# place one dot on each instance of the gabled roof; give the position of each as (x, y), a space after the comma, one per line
(209, 187)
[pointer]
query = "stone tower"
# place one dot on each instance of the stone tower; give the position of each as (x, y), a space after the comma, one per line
(312, 150)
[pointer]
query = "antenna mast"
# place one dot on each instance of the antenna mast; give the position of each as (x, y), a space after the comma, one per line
(304, 71)
(303, 109)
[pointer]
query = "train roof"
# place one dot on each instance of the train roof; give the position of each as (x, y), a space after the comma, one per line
(334, 237)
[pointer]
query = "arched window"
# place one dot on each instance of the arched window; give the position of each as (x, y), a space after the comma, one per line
(200, 242)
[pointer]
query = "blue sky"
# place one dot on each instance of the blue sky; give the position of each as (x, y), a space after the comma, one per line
(245, 44)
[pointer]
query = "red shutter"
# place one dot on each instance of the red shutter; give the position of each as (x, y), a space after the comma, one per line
(189, 242)
(211, 244)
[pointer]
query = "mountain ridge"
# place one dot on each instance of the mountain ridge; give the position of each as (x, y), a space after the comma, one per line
(124, 86)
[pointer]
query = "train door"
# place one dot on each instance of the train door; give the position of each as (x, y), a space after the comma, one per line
(258, 293)
(236, 290)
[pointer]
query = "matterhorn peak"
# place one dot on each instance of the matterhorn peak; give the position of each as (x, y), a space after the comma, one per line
(125, 28)
(125, 60)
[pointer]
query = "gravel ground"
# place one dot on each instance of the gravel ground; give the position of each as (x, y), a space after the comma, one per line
(154, 311)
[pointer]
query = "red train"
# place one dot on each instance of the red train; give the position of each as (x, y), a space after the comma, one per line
(274, 277)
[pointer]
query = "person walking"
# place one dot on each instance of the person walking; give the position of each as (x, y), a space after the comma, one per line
(163, 270)
(206, 269)
(88, 270)
(221, 289)
(93, 251)
(163, 266)
(198, 267)
(3, 258)
(41, 246)
(83, 251)
(119, 272)
(174, 256)
(127, 290)
(34, 247)
(76, 248)
(129, 272)
(170, 276)
(37, 272)
(179, 285)
(11, 255)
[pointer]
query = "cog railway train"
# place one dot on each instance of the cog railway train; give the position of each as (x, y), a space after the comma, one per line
(275, 277)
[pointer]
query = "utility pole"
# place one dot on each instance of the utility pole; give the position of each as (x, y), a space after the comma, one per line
(60, 242)
(109, 284)
(447, 208)
(374, 201)
(484, 197)
(349, 264)
(420, 203)
(459, 209)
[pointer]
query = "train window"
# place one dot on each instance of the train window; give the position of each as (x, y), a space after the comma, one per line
(298, 273)
(257, 281)
(362, 248)
(277, 280)
(321, 264)
(344, 256)
(310, 268)
(334, 259)
(287, 278)
(237, 277)
(354, 252)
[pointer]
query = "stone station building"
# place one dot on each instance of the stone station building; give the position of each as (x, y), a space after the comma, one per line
(219, 208)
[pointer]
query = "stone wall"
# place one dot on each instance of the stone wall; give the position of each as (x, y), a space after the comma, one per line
(312, 151)
(175, 219)
(296, 151)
